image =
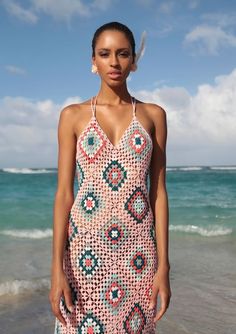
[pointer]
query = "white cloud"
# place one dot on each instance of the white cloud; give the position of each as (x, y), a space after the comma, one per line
(209, 39)
(201, 127)
(28, 131)
(193, 4)
(145, 3)
(21, 13)
(102, 4)
(167, 7)
(22, 111)
(71, 100)
(216, 32)
(15, 70)
(220, 19)
(165, 30)
(62, 10)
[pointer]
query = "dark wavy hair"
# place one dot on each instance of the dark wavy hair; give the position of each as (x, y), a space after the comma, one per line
(114, 26)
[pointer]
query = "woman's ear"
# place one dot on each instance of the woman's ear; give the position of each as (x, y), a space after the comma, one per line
(133, 67)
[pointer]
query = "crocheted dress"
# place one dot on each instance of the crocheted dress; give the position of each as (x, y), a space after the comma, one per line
(110, 257)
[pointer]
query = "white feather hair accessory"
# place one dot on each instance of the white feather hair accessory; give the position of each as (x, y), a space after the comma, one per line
(141, 50)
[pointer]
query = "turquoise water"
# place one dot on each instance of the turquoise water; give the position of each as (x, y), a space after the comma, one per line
(202, 204)
(202, 200)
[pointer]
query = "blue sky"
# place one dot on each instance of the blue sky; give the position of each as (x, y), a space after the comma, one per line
(188, 68)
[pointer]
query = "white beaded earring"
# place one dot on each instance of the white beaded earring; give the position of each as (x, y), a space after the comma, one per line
(94, 69)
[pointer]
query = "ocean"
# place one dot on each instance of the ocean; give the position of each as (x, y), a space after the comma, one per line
(202, 249)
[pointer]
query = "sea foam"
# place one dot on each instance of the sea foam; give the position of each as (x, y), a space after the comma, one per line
(210, 231)
(223, 167)
(16, 287)
(28, 233)
(190, 168)
(28, 170)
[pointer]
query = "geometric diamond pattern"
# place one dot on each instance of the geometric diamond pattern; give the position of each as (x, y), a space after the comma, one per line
(90, 325)
(114, 174)
(137, 205)
(91, 143)
(72, 230)
(80, 174)
(110, 235)
(88, 262)
(113, 233)
(114, 293)
(137, 141)
(89, 202)
(138, 144)
(135, 320)
(153, 234)
(138, 263)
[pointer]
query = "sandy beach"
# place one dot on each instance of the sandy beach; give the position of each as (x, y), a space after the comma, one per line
(203, 283)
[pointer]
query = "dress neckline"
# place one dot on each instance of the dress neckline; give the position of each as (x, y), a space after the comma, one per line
(117, 146)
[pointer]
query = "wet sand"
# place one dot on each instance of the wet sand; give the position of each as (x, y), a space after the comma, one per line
(203, 284)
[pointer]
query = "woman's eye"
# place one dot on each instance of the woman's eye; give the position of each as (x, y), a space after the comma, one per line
(124, 54)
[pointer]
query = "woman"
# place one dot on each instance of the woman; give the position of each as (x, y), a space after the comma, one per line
(110, 243)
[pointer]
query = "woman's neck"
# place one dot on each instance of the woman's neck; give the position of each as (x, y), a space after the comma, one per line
(113, 95)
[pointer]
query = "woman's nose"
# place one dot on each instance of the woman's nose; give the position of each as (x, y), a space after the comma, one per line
(114, 60)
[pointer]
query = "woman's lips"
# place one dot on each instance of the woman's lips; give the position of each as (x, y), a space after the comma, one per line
(114, 75)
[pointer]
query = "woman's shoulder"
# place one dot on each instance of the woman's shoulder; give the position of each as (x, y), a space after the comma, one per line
(74, 111)
(153, 110)
(75, 107)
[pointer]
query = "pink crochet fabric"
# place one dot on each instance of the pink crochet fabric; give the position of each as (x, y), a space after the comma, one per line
(111, 257)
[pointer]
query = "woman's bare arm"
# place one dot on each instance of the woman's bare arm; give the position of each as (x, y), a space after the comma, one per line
(64, 196)
(63, 202)
(158, 192)
(159, 203)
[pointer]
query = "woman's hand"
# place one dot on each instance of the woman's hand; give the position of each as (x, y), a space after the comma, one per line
(60, 287)
(161, 286)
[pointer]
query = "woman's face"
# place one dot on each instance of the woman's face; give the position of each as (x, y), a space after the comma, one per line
(113, 57)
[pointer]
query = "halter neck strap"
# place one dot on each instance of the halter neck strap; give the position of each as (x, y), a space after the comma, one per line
(93, 103)
(133, 100)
